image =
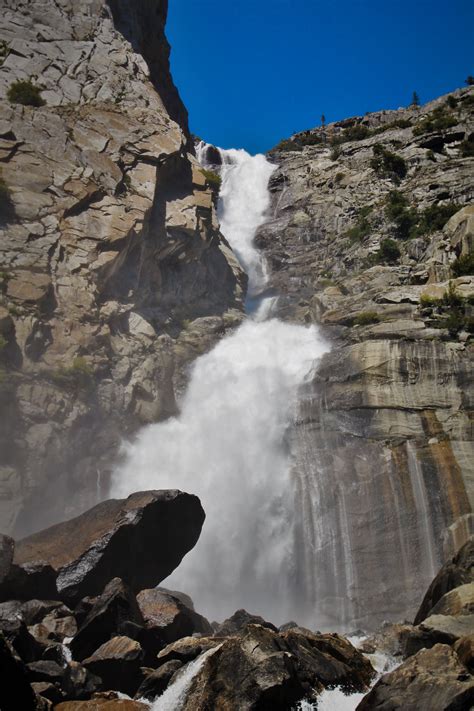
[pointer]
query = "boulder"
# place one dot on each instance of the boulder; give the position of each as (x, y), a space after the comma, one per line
(433, 679)
(16, 633)
(167, 619)
(156, 682)
(458, 571)
(15, 690)
(459, 601)
(464, 648)
(114, 607)
(80, 683)
(102, 705)
(186, 649)
(241, 618)
(117, 663)
(262, 669)
(47, 671)
(141, 539)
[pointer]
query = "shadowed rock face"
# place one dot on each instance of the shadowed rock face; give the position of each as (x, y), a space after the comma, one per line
(455, 573)
(382, 443)
(141, 539)
(114, 275)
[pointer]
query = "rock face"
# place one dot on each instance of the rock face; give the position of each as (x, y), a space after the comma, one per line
(383, 444)
(113, 274)
(141, 539)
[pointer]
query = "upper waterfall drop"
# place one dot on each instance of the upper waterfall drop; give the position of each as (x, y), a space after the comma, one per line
(228, 445)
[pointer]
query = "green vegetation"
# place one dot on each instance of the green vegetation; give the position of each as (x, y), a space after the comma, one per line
(387, 164)
(24, 92)
(7, 209)
(362, 227)
(467, 147)
(469, 80)
(464, 265)
(438, 120)
(389, 251)
(410, 223)
(338, 177)
(297, 143)
(79, 376)
(451, 311)
(451, 101)
(335, 152)
(415, 99)
(3, 342)
(212, 179)
(364, 318)
(353, 133)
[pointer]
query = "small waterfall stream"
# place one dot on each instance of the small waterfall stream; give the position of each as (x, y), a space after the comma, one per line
(228, 445)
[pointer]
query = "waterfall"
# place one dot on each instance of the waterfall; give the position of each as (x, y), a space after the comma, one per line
(174, 696)
(228, 445)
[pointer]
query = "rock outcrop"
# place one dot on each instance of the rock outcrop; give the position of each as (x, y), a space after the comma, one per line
(371, 236)
(141, 540)
(114, 275)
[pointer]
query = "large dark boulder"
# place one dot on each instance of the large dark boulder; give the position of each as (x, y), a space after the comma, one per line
(167, 619)
(458, 571)
(239, 620)
(433, 679)
(15, 690)
(118, 663)
(141, 539)
(114, 608)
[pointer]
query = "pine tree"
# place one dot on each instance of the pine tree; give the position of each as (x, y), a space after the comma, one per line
(415, 99)
(323, 120)
(469, 80)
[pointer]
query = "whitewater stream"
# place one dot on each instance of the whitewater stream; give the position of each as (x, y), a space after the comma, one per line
(228, 443)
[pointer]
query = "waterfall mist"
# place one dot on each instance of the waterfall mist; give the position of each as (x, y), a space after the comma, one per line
(228, 443)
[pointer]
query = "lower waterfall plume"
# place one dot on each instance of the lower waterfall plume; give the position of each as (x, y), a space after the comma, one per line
(228, 444)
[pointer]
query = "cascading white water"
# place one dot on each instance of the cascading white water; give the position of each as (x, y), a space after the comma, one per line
(228, 444)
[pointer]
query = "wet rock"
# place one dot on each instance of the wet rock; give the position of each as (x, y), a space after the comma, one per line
(29, 580)
(433, 679)
(261, 669)
(122, 538)
(241, 618)
(47, 671)
(34, 611)
(16, 633)
(102, 705)
(186, 649)
(167, 619)
(457, 571)
(118, 663)
(80, 683)
(157, 681)
(115, 606)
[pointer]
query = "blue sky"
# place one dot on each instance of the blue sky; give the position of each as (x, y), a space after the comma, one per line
(254, 71)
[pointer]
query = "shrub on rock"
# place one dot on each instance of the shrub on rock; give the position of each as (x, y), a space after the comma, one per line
(24, 92)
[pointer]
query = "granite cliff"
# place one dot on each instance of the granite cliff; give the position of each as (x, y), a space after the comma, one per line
(371, 236)
(114, 274)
